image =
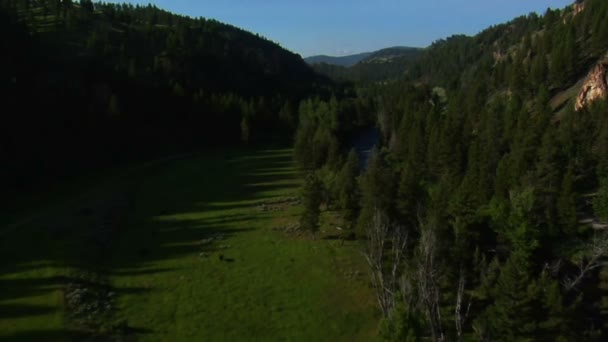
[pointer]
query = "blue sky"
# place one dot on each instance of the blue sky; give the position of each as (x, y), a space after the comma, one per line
(342, 27)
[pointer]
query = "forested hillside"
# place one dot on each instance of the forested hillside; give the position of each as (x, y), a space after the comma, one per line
(345, 61)
(388, 64)
(85, 85)
(483, 211)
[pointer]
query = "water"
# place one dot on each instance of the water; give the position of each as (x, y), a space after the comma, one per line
(364, 142)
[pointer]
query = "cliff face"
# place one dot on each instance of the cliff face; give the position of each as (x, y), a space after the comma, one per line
(578, 6)
(595, 87)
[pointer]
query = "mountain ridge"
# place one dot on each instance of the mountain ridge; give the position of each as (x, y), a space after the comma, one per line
(382, 55)
(346, 61)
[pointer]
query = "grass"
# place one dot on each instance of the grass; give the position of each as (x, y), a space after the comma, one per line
(195, 253)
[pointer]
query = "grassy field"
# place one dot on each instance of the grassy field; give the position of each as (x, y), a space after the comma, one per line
(193, 249)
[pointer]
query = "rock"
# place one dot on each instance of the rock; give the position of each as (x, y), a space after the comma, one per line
(578, 6)
(595, 87)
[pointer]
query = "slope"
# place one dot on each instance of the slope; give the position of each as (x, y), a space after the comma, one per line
(503, 180)
(87, 86)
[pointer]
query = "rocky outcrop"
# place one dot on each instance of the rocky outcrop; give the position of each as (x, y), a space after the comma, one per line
(595, 87)
(578, 6)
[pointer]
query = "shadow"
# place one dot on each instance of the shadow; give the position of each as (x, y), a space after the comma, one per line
(141, 271)
(41, 335)
(342, 236)
(138, 331)
(124, 233)
(21, 310)
(13, 289)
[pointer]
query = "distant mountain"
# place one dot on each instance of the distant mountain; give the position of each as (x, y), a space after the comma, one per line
(382, 65)
(380, 56)
(345, 61)
(388, 54)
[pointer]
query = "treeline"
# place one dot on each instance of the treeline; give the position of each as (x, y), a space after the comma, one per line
(524, 52)
(323, 150)
(521, 54)
(484, 213)
(88, 84)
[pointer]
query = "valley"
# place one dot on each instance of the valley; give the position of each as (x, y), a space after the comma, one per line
(170, 176)
(198, 248)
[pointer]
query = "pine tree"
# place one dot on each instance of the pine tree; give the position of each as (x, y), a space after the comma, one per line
(409, 195)
(600, 31)
(517, 77)
(602, 304)
(566, 204)
(601, 148)
(87, 5)
(600, 203)
(303, 149)
(377, 186)
(539, 69)
(547, 179)
(512, 316)
(522, 233)
(349, 189)
(556, 318)
(312, 193)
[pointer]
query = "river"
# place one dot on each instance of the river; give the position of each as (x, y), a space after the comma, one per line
(364, 142)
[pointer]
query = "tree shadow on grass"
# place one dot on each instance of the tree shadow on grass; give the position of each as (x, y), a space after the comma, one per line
(39, 335)
(14, 289)
(49, 335)
(23, 310)
(346, 236)
(184, 208)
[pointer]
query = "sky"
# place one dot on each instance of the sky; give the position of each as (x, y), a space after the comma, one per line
(344, 27)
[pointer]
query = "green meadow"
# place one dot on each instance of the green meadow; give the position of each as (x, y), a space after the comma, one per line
(201, 248)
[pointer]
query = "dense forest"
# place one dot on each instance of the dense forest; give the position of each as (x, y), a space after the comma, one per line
(483, 210)
(86, 85)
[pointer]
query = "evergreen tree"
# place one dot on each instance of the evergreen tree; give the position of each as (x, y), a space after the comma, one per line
(87, 5)
(556, 319)
(303, 151)
(409, 196)
(539, 70)
(600, 203)
(377, 186)
(513, 315)
(547, 181)
(311, 199)
(602, 303)
(349, 189)
(566, 205)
